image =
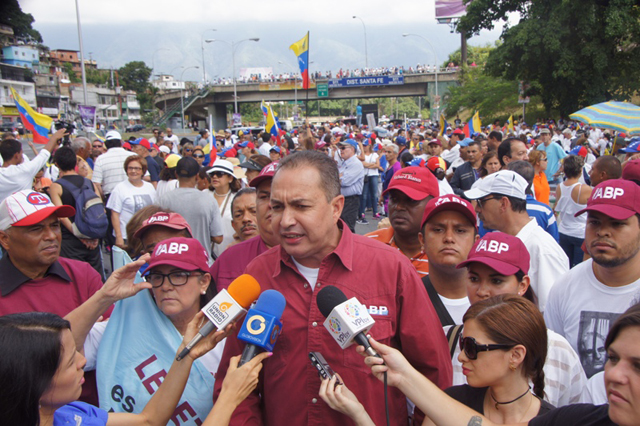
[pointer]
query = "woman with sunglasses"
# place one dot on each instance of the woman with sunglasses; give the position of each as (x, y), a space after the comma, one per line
(187, 150)
(225, 185)
(198, 154)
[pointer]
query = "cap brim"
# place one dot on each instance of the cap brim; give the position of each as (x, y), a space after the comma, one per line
(503, 268)
(614, 212)
(247, 165)
(171, 262)
(452, 206)
(475, 193)
(412, 193)
(42, 214)
(140, 231)
(256, 181)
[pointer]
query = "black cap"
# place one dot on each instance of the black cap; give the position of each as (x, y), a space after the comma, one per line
(187, 167)
(250, 165)
(328, 298)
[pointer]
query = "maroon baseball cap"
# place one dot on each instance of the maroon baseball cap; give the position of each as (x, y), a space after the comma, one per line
(435, 141)
(267, 172)
(632, 170)
(320, 144)
(449, 203)
(616, 198)
(458, 132)
(502, 252)
(416, 183)
(184, 253)
(168, 220)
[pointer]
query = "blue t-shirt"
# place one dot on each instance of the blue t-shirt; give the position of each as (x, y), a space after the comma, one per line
(554, 155)
(80, 414)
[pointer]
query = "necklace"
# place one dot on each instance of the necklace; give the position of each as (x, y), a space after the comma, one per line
(221, 195)
(508, 402)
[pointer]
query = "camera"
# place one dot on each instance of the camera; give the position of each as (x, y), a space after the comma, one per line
(69, 128)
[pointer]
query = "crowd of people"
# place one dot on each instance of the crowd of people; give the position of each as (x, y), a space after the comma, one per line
(503, 277)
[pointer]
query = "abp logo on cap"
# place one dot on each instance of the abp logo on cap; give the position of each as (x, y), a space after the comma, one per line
(37, 199)
(607, 192)
(492, 246)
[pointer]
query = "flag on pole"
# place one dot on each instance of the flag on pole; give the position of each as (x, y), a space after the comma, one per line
(301, 50)
(510, 123)
(473, 126)
(272, 125)
(443, 125)
(38, 124)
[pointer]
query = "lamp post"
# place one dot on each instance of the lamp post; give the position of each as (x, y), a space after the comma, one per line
(182, 95)
(234, 45)
(84, 75)
(437, 66)
(202, 42)
(366, 54)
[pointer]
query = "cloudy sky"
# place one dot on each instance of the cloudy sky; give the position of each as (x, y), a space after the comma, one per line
(169, 35)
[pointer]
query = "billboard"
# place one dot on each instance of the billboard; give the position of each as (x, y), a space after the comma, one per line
(366, 81)
(450, 8)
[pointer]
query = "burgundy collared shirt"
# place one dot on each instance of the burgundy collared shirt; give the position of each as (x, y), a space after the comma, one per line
(386, 283)
(234, 260)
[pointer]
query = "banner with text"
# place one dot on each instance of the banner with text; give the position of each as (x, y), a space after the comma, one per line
(390, 80)
(88, 116)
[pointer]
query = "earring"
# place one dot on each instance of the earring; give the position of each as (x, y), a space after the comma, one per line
(512, 367)
(203, 292)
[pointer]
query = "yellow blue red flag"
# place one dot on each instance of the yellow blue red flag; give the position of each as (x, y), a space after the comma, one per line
(272, 125)
(38, 124)
(301, 50)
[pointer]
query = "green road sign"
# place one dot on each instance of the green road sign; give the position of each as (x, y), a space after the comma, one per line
(323, 90)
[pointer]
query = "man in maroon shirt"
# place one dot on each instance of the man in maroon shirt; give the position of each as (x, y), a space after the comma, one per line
(317, 249)
(234, 260)
(32, 275)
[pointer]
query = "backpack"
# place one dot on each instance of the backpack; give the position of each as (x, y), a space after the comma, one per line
(91, 216)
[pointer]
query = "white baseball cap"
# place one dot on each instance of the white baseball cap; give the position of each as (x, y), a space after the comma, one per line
(165, 149)
(504, 182)
(112, 135)
(28, 207)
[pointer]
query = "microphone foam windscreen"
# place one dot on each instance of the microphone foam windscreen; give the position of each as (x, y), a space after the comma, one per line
(244, 290)
(328, 298)
(271, 302)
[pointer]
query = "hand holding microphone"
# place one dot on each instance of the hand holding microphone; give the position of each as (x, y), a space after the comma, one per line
(226, 307)
(262, 325)
(347, 320)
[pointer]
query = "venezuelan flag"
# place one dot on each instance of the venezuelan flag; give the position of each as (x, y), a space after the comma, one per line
(510, 123)
(473, 126)
(39, 124)
(301, 49)
(272, 125)
(443, 125)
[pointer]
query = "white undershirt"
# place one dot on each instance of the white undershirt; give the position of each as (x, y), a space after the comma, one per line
(310, 274)
(456, 307)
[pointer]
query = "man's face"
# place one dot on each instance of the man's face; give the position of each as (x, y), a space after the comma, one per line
(463, 153)
(139, 150)
(612, 242)
(346, 151)
(390, 154)
(493, 144)
(97, 148)
(405, 213)
(484, 147)
(302, 216)
(156, 234)
(274, 155)
(169, 131)
(415, 139)
(264, 214)
(473, 154)
(545, 137)
(489, 209)
(519, 152)
(448, 238)
(434, 149)
(595, 175)
(244, 216)
(37, 245)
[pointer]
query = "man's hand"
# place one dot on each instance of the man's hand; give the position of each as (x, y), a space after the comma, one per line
(120, 284)
(54, 140)
(90, 244)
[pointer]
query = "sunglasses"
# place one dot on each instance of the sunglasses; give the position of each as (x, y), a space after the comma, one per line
(198, 155)
(471, 348)
(218, 174)
(481, 201)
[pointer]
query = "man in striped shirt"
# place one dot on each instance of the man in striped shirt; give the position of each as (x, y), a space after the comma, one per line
(109, 167)
(409, 192)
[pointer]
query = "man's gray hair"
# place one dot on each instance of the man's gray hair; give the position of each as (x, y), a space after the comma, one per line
(79, 143)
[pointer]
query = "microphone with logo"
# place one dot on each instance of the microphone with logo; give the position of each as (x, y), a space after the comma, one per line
(262, 325)
(347, 320)
(226, 307)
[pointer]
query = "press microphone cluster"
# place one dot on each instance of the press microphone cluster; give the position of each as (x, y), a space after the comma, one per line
(226, 307)
(347, 320)
(262, 325)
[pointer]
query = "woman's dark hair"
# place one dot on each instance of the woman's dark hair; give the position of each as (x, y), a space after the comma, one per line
(405, 158)
(630, 318)
(509, 319)
(572, 166)
(168, 173)
(202, 174)
(65, 159)
(235, 185)
(530, 294)
(483, 165)
(31, 350)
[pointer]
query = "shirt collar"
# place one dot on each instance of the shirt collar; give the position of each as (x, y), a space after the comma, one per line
(12, 278)
(343, 252)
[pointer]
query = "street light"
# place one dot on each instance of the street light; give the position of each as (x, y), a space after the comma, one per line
(437, 66)
(202, 42)
(182, 95)
(234, 45)
(366, 55)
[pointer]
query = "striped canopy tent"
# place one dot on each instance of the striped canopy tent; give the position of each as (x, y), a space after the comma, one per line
(621, 116)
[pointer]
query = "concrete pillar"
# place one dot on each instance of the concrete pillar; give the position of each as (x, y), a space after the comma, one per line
(219, 113)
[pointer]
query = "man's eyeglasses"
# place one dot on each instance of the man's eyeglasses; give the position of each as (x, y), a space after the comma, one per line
(481, 201)
(471, 348)
(176, 279)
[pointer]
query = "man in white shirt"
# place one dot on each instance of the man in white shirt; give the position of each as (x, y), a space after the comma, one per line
(17, 174)
(175, 142)
(108, 170)
(502, 205)
(584, 302)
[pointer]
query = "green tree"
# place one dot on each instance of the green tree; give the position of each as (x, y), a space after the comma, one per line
(574, 53)
(135, 76)
(95, 76)
(11, 14)
(68, 68)
(475, 54)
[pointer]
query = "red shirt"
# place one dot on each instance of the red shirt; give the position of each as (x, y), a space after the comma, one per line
(289, 384)
(234, 260)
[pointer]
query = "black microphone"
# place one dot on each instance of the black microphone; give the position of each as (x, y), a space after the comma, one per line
(347, 320)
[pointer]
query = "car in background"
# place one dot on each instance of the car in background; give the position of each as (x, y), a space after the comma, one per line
(135, 128)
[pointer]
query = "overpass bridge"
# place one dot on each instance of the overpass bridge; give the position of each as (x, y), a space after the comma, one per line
(212, 101)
